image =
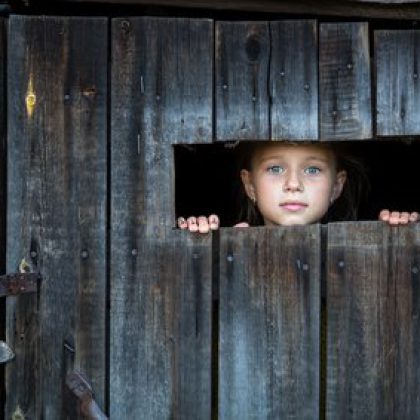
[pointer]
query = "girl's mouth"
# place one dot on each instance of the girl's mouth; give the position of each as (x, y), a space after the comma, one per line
(293, 206)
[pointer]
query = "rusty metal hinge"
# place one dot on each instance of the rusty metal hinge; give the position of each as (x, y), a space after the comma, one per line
(80, 387)
(18, 283)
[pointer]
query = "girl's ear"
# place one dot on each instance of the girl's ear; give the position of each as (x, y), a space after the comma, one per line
(247, 183)
(340, 180)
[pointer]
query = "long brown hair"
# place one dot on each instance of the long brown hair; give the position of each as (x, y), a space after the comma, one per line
(344, 208)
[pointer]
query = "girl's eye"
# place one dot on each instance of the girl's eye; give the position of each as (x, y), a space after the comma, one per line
(275, 169)
(312, 170)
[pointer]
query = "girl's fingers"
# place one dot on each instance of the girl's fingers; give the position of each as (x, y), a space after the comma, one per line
(414, 216)
(203, 224)
(192, 224)
(242, 224)
(182, 223)
(395, 218)
(384, 215)
(214, 222)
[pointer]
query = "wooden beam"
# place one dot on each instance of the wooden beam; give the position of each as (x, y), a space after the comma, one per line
(381, 9)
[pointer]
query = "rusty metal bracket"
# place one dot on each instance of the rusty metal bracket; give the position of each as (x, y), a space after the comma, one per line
(81, 388)
(18, 283)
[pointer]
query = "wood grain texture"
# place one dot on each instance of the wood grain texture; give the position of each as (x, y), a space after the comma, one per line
(269, 323)
(161, 326)
(397, 62)
(372, 306)
(3, 194)
(56, 206)
(161, 94)
(242, 76)
(345, 8)
(294, 80)
(344, 81)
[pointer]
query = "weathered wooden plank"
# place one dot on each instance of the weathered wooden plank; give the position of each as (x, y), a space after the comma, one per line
(161, 94)
(160, 279)
(57, 111)
(242, 74)
(160, 326)
(3, 149)
(347, 8)
(294, 80)
(269, 323)
(373, 332)
(344, 81)
(397, 60)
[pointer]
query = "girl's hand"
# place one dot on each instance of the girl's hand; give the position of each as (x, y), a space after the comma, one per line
(200, 224)
(395, 218)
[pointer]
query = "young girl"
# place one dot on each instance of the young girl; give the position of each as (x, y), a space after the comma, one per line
(296, 184)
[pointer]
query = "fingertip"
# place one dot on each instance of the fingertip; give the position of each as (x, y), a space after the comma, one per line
(384, 215)
(182, 223)
(214, 222)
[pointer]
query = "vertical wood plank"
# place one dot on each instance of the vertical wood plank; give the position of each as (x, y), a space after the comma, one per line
(161, 327)
(372, 307)
(160, 300)
(56, 207)
(161, 94)
(397, 60)
(344, 81)
(294, 80)
(3, 194)
(269, 323)
(242, 77)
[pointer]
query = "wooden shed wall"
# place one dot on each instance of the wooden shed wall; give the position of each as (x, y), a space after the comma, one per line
(94, 108)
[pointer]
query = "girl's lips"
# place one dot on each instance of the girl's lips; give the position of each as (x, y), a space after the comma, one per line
(293, 206)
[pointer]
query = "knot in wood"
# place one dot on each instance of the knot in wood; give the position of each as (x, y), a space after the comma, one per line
(253, 48)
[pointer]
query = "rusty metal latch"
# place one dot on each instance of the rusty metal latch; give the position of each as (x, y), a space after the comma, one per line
(18, 283)
(80, 387)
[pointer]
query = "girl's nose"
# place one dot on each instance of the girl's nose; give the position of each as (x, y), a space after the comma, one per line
(292, 182)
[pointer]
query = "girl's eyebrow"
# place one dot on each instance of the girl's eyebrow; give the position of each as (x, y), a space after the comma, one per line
(308, 158)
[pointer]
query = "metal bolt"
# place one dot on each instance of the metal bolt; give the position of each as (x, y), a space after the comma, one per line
(349, 66)
(230, 258)
(334, 113)
(158, 98)
(415, 75)
(341, 264)
(282, 74)
(66, 97)
(84, 254)
(134, 252)
(225, 87)
(415, 270)
(306, 87)
(305, 267)
(254, 99)
(33, 254)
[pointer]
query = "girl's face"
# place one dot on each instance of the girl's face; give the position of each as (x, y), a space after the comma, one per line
(293, 184)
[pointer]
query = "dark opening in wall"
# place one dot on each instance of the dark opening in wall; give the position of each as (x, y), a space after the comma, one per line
(207, 179)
